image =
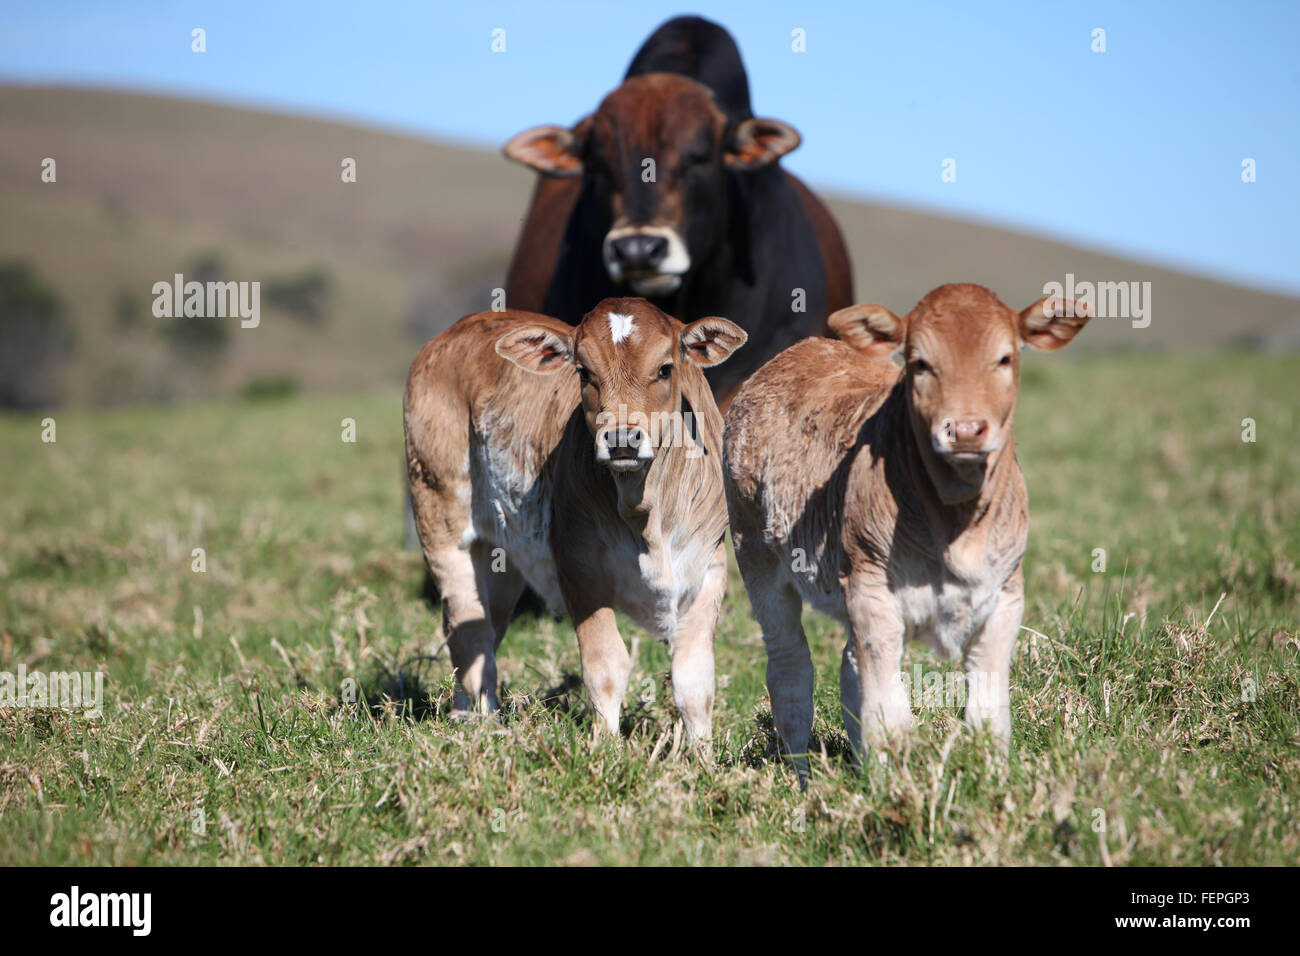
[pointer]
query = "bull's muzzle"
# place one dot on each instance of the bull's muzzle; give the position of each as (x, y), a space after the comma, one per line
(652, 260)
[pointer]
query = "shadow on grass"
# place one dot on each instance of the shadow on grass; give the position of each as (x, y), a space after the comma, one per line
(412, 694)
(764, 747)
(404, 691)
(565, 698)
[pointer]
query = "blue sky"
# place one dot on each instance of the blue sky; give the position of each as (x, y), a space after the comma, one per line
(1136, 150)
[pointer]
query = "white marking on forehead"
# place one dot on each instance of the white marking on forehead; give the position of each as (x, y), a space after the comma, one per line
(620, 326)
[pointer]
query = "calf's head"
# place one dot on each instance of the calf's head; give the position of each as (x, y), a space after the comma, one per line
(656, 154)
(961, 353)
(629, 358)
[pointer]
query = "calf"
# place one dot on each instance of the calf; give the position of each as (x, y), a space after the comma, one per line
(889, 499)
(673, 189)
(585, 462)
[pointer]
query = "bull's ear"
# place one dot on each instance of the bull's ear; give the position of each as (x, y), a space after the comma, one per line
(755, 143)
(1052, 321)
(551, 150)
(535, 348)
(711, 341)
(871, 329)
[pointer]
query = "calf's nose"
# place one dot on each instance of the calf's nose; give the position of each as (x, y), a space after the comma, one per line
(961, 436)
(630, 438)
(623, 442)
(639, 253)
(970, 430)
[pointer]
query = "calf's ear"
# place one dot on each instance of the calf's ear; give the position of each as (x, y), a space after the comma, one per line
(755, 143)
(711, 340)
(535, 348)
(871, 329)
(551, 150)
(1052, 321)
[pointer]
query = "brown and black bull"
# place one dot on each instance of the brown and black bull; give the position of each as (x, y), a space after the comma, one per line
(673, 190)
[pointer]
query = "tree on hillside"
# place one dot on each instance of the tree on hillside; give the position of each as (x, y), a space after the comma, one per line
(35, 339)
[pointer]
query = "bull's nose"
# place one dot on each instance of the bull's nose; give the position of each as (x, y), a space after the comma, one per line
(639, 253)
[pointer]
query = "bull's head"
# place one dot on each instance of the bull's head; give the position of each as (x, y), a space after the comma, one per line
(656, 153)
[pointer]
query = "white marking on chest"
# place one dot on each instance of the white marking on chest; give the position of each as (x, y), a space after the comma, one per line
(949, 615)
(664, 586)
(620, 326)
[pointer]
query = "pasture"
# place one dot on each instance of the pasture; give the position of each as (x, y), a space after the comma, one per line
(1153, 721)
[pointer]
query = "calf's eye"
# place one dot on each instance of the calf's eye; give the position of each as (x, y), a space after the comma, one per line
(921, 366)
(584, 377)
(666, 371)
(1005, 360)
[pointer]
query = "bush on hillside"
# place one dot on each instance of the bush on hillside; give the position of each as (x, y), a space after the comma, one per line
(35, 339)
(304, 296)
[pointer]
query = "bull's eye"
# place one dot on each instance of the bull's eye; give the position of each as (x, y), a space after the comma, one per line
(1005, 361)
(584, 377)
(666, 371)
(921, 367)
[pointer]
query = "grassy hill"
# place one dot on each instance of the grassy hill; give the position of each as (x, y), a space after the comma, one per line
(147, 186)
(1155, 722)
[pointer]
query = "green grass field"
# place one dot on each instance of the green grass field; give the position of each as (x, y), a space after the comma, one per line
(1147, 729)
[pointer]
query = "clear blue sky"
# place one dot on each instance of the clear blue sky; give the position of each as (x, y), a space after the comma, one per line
(1137, 149)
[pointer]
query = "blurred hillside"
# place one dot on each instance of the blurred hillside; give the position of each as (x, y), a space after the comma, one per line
(356, 275)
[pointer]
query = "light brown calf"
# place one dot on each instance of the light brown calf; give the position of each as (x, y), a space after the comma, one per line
(890, 500)
(585, 462)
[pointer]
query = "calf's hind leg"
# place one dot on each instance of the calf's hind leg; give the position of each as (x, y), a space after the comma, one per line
(464, 577)
(779, 609)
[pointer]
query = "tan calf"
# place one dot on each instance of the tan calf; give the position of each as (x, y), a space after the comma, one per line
(585, 462)
(889, 499)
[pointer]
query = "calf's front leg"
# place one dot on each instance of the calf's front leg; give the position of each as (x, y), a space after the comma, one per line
(692, 650)
(987, 664)
(873, 697)
(605, 664)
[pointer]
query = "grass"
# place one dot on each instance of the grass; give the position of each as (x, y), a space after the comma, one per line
(1142, 700)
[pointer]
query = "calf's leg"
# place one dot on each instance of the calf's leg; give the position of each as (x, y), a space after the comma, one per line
(458, 564)
(987, 665)
(462, 575)
(692, 650)
(873, 697)
(605, 663)
(503, 585)
(778, 609)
